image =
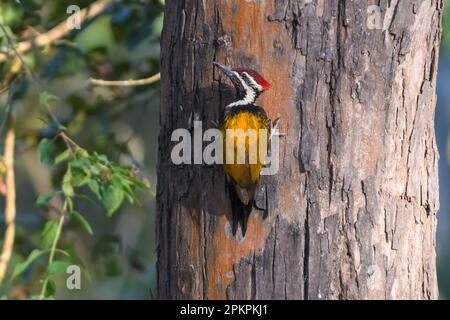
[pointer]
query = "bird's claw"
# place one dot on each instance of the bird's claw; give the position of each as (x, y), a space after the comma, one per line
(274, 129)
(214, 123)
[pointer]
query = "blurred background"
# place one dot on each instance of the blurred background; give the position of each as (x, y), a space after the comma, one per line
(122, 123)
(442, 121)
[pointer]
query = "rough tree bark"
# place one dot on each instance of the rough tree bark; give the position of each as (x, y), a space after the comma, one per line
(351, 213)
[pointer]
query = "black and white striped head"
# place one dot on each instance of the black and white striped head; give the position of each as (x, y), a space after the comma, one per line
(248, 83)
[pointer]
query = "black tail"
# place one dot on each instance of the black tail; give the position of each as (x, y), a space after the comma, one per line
(240, 211)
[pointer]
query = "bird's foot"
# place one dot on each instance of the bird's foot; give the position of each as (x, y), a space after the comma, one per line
(274, 129)
(214, 123)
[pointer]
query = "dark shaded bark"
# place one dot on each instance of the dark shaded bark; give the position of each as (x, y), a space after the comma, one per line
(351, 213)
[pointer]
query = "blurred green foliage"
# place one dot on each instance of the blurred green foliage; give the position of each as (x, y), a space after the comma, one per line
(443, 138)
(116, 125)
(446, 28)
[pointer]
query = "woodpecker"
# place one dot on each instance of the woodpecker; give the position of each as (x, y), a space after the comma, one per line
(243, 114)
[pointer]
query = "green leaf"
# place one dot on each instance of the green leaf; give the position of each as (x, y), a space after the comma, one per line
(86, 199)
(79, 177)
(94, 170)
(123, 183)
(48, 234)
(50, 290)
(77, 216)
(62, 157)
(95, 188)
(10, 16)
(34, 255)
(62, 252)
(101, 158)
(46, 97)
(44, 198)
(67, 183)
(45, 151)
(58, 267)
(79, 163)
(112, 198)
(21, 267)
(82, 153)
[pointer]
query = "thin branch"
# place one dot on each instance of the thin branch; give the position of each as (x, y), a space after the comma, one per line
(10, 194)
(71, 143)
(53, 249)
(57, 32)
(10, 207)
(126, 83)
(52, 115)
(11, 45)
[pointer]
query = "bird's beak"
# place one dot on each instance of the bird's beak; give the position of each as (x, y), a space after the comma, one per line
(227, 70)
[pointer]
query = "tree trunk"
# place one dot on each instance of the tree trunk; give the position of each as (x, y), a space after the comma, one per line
(351, 214)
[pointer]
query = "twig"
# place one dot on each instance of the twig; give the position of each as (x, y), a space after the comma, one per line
(57, 32)
(10, 195)
(52, 114)
(12, 47)
(126, 83)
(69, 140)
(53, 249)
(10, 206)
